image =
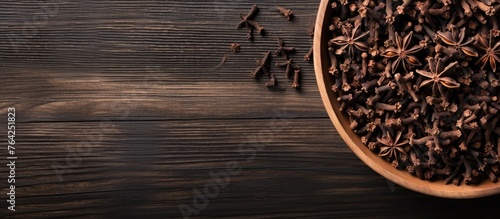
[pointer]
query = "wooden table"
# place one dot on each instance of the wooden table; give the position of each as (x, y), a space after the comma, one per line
(122, 113)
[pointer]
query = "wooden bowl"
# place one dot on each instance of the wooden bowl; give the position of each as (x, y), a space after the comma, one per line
(341, 123)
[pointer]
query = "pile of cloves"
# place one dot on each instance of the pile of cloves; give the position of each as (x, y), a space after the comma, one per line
(418, 81)
(263, 65)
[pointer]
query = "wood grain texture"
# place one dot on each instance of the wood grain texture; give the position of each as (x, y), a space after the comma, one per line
(133, 86)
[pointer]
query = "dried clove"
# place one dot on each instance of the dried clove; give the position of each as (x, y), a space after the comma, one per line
(418, 81)
(246, 21)
(272, 81)
(263, 66)
(296, 79)
(309, 55)
(282, 49)
(285, 12)
(235, 47)
(289, 67)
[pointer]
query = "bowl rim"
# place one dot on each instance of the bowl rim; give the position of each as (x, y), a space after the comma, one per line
(382, 167)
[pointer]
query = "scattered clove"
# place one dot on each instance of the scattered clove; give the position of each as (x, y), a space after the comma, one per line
(309, 55)
(263, 66)
(282, 49)
(235, 47)
(285, 12)
(272, 81)
(289, 65)
(296, 79)
(246, 21)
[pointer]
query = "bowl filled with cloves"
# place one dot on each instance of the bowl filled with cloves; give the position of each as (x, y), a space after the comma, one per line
(413, 89)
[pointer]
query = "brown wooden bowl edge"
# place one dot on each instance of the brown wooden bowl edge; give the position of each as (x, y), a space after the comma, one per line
(402, 178)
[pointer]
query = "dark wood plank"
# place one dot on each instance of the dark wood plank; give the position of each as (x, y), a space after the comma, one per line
(150, 168)
(136, 80)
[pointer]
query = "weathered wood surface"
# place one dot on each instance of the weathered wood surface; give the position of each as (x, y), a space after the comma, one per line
(134, 84)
